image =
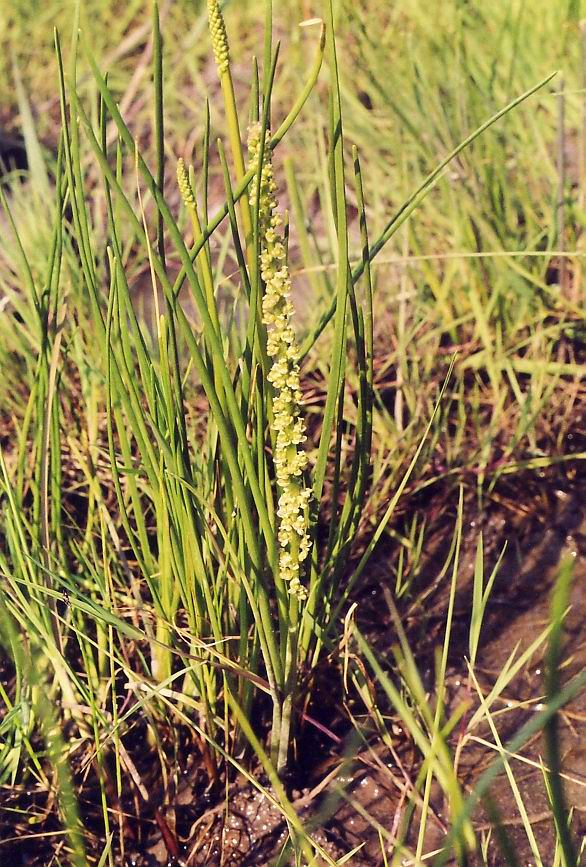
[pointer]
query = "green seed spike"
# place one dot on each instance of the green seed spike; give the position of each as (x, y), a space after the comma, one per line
(219, 37)
(222, 56)
(203, 264)
(184, 185)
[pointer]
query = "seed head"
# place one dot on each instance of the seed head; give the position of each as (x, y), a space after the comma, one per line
(289, 458)
(184, 185)
(219, 36)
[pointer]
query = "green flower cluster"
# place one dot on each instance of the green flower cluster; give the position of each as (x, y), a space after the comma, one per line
(289, 458)
(184, 185)
(219, 37)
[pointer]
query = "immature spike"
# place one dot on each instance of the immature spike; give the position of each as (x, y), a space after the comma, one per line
(184, 185)
(219, 36)
(289, 458)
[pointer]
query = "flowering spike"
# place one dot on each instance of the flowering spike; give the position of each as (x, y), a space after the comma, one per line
(184, 185)
(289, 458)
(219, 36)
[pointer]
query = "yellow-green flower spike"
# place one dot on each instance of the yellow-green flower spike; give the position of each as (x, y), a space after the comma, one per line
(290, 458)
(184, 185)
(219, 37)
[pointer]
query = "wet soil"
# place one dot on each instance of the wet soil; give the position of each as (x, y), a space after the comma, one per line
(517, 613)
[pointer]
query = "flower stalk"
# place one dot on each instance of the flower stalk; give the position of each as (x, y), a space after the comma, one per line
(221, 51)
(202, 261)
